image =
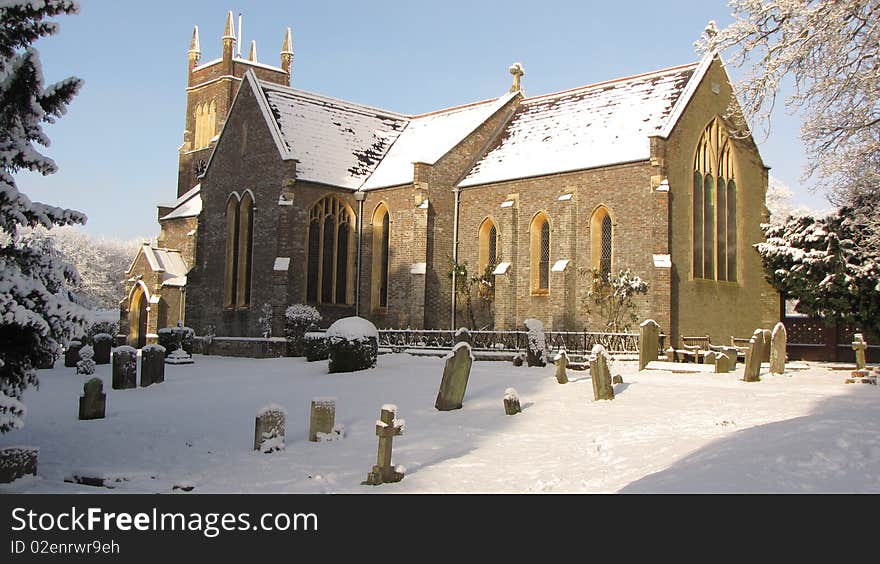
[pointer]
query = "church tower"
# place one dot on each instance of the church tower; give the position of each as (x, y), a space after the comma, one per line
(211, 88)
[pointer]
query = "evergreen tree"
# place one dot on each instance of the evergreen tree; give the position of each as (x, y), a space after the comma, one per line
(37, 313)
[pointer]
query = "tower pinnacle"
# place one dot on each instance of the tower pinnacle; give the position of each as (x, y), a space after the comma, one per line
(287, 51)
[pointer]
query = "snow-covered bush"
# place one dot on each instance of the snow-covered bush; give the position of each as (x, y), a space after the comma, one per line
(86, 364)
(536, 348)
(298, 319)
(109, 328)
(314, 346)
(353, 343)
(610, 299)
(265, 320)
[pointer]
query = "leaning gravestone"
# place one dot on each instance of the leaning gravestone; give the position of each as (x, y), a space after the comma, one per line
(124, 368)
(754, 356)
(322, 417)
(600, 374)
(93, 402)
(511, 402)
(387, 427)
(102, 343)
(16, 462)
(269, 428)
(649, 342)
(153, 365)
(536, 348)
(456, 372)
(778, 342)
(71, 354)
(86, 365)
(561, 361)
(860, 346)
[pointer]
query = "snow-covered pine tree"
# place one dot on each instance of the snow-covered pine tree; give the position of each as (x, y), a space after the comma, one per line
(37, 313)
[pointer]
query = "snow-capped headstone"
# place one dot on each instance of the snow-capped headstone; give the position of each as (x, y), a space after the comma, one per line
(387, 427)
(732, 355)
(754, 356)
(16, 462)
(649, 342)
(536, 347)
(860, 346)
(322, 417)
(86, 364)
(93, 402)
(124, 368)
(519, 358)
(765, 350)
(778, 343)
(71, 354)
(511, 402)
(561, 362)
(600, 373)
(102, 343)
(269, 428)
(353, 344)
(462, 335)
(722, 362)
(456, 372)
(153, 365)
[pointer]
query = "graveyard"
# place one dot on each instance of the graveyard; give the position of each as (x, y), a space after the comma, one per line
(495, 428)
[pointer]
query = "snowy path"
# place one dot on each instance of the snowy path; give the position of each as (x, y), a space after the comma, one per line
(664, 432)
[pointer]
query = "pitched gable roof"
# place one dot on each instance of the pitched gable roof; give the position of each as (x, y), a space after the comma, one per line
(167, 262)
(597, 125)
(187, 205)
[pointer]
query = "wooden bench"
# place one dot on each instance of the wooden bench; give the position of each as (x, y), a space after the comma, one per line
(693, 349)
(741, 346)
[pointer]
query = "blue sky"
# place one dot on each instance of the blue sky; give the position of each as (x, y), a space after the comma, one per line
(117, 146)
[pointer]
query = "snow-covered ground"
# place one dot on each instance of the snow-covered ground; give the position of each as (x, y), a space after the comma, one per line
(805, 432)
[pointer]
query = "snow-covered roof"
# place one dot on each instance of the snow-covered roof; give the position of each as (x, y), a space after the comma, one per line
(168, 262)
(336, 142)
(187, 205)
(591, 126)
(429, 137)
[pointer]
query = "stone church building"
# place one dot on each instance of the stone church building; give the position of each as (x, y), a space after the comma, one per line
(286, 196)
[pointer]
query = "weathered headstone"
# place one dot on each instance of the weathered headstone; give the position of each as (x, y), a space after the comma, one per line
(778, 343)
(649, 342)
(322, 417)
(93, 402)
(71, 353)
(269, 428)
(462, 335)
(387, 427)
(754, 356)
(16, 462)
(765, 349)
(102, 343)
(455, 378)
(152, 365)
(561, 361)
(511, 402)
(732, 354)
(617, 379)
(86, 364)
(518, 359)
(124, 368)
(536, 347)
(722, 363)
(860, 346)
(600, 374)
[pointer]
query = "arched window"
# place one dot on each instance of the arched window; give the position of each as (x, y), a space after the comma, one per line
(231, 276)
(488, 253)
(540, 254)
(205, 124)
(601, 241)
(714, 206)
(381, 250)
(329, 252)
(245, 249)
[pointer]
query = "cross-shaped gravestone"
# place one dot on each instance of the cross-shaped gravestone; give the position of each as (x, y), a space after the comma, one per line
(860, 346)
(561, 360)
(387, 427)
(516, 69)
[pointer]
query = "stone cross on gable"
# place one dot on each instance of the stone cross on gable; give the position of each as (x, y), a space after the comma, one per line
(860, 346)
(387, 427)
(516, 69)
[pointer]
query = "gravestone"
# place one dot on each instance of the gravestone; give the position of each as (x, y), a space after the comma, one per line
(649, 342)
(16, 462)
(860, 346)
(269, 429)
(518, 359)
(153, 365)
(86, 365)
(600, 374)
(455, 378)
(765, 349)
(93, 402)
(462, 335)
(387, 427)
(722, 363)
(536, 347)
(778, 342)
(754, 356)
(322, 417)
(71, 354)
(561, 361)
(102, 343)
(670, 354)
(511, 402)
(124, 368)
(732, 354)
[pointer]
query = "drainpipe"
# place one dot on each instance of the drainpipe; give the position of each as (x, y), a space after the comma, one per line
(455, 192)
(359, 196)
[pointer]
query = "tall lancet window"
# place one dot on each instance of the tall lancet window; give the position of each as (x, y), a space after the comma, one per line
(539, 250)
(381, 256)
(239, 249)
(601, 241)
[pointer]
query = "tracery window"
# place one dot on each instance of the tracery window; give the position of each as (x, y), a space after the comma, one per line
(330, 252)
(714, 206)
